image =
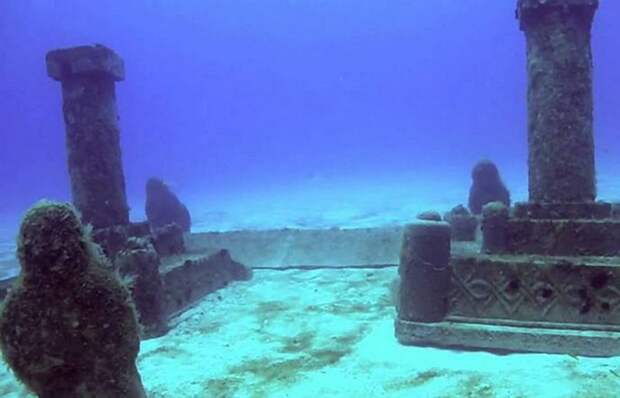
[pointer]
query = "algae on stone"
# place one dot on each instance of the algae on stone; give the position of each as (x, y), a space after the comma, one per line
(68, 327)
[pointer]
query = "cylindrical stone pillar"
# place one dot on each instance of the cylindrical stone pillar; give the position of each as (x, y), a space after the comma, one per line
(88, 75)
(494, 224)
(424, 272)
(559, 67)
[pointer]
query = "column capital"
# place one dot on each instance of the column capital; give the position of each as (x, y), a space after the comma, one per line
(93, 60)
(528, 10)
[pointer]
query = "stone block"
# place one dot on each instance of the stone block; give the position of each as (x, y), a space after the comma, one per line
(556, 211)
(564, 237)
(96, 60)
(195, 278)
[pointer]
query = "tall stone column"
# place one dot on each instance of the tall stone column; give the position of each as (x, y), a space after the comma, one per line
(88, 75)
(559, 67)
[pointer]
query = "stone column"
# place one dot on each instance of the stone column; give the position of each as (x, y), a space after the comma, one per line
(88, 75)
(559, 67)
(424, 272)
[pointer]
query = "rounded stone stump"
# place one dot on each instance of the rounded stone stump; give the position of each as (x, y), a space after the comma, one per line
(88, 75)
(494, 224)
(68, 327)
(424, 272)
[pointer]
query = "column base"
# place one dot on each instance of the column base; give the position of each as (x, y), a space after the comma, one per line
(500, 338)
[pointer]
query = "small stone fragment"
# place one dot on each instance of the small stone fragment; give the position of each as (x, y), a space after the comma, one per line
(429, 216)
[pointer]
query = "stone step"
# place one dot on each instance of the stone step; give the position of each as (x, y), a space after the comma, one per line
(579, 237)
(509, 338)
(555, 211)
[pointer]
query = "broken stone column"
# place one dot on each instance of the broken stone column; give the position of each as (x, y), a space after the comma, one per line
(559, 68)
(424, 272)
(88, 75)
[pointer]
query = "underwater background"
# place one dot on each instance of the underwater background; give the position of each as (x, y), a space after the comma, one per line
(265, 114)
(290, 113)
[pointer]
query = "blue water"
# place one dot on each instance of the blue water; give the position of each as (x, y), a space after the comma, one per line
(299, 113)
(244, 99)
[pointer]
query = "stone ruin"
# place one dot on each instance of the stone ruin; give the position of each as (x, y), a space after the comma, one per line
(546, 277)
(543, 278)
(163, 277)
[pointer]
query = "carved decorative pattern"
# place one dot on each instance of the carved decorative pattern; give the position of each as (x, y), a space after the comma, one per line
(559, 292)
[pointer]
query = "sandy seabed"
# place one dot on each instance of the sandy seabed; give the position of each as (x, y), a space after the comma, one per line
(330, 333)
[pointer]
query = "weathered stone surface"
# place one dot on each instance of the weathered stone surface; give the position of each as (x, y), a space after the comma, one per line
(463, 224)
(487, 186)
(502, 338)
(138, 264)
(67, 328)
(185, 284)
(115, 238)
(563, 237)
(429, 216)
(527, 303)
(544, 291)
(559, 65)
(163, 207)
(534, 4)
(92, 133)
(95, 60)
(424, 272)
(585, 210)
(168, 240)
(494, 227)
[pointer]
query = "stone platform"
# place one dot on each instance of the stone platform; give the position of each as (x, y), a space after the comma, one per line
(527, 303)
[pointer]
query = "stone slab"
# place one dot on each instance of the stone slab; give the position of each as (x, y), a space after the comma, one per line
(509, 338)
(307, 247)
(193, 279)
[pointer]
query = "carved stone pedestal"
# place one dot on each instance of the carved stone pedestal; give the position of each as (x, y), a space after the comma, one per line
(550, 304)
(549, 276)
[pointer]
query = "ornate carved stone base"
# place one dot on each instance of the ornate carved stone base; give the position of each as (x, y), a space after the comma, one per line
(536, 289)
(509, 338)
(527, 303)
